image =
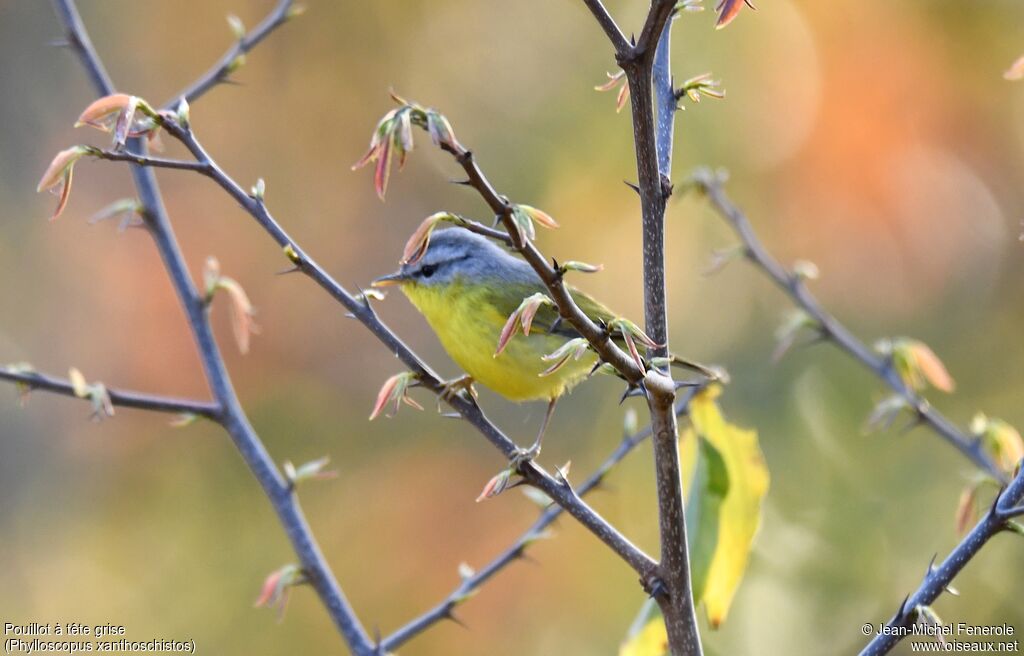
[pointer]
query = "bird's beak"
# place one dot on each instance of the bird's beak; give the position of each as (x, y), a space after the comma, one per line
(396, 278)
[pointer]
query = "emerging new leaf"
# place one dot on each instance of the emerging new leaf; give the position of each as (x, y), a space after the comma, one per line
(243, 323)
(465, 571)
(395, 391)
(236, 63)
(614, 80)
(496, 485)
(237, 26)
(96, 393)
(539, 497)
(967, 508)
(78, 383)
(885, 413)
(701, 85)
(259, 190)
(121, 114)
(521, 318)
(728, 10)
(129, 209)
(57, 177)
(276, 587)
(184, 419)
(1000, 439)
(689, 5)
(440, 130)
(805, 270)
(23, 389)
(571, 350)
(394, 133)
(524, 217)
(582, 267)
(630, 333)
(309, 471)
(183, 113)
(927, 616)
(794, 323)
(720, 257)
(916, 364)
(416, 246)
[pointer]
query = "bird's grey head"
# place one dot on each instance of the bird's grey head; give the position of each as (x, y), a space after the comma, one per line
(458, 253)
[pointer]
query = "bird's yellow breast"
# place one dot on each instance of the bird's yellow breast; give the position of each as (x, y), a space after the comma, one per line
(468, 326)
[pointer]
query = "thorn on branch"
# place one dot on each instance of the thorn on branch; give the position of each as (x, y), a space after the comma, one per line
(902, 612)
(449, 614)
(666, 187)
(654, 587)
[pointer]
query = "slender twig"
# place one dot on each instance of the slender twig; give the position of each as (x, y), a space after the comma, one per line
(517, 550)
(234, 420)
(486, 231)
(675, 594)
(607, 23)
(119, 397)
(659, 16)
(558, 489)
(147, 160)
(938, 578)
(221, 71)
(832, 330)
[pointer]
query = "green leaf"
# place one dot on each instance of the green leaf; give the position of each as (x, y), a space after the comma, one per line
(707, 492)
(743, 487)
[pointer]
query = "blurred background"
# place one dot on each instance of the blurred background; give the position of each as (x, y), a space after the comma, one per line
(877, 139)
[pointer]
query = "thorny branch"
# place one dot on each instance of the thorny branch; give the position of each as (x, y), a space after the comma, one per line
(1005, 507)
(446, 608)
(938, 579)
(232, 417)
(557, 488)
(220, 73)
(124, 398)
(830, 329)
(653, 159)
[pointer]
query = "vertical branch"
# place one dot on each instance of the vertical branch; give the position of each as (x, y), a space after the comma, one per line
(653, 160)
(233, 417)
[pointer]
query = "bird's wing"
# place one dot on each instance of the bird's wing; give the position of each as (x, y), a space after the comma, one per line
(547, 319)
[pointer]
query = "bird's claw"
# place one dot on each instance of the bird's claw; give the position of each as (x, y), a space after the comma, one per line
(461, 386)
(523, 456)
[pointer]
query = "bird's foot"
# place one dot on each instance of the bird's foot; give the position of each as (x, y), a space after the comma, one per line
(461, 386)
(523, 456)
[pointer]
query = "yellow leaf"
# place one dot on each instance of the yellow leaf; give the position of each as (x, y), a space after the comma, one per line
(651, 640)
(739, 511)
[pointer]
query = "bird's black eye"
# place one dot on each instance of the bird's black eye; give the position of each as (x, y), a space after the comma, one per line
(428, 270)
